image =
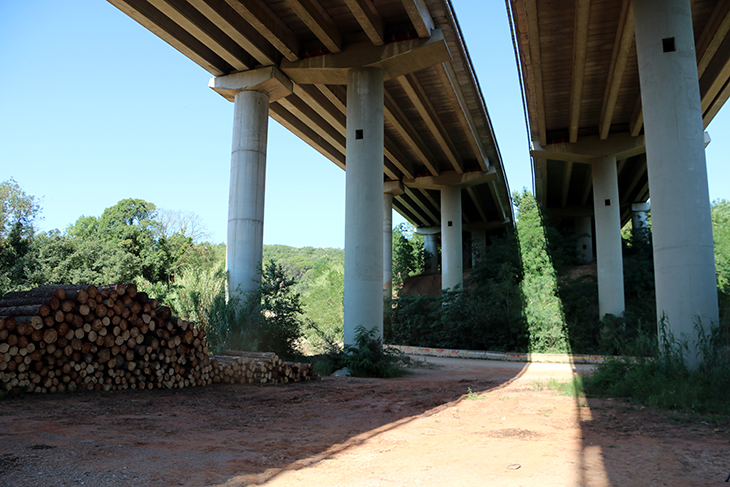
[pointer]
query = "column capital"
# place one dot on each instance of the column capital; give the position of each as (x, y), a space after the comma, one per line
(428, 230)
(393, 187)
(270, 80)
(641, 206)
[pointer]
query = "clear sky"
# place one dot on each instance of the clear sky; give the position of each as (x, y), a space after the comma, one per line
(94, 109)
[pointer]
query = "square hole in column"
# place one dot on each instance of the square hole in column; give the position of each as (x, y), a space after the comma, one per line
(358, 134)
(668, 44)
(451, 224)
(607, 202)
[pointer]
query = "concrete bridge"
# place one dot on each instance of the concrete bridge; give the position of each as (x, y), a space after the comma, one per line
(383, 89)
(619, 93)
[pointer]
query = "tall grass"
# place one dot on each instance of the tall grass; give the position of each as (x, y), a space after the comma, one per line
(658, 374)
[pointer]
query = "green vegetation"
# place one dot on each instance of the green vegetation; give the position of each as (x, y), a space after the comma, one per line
(367, 357)
(658, 376)
(522, 298)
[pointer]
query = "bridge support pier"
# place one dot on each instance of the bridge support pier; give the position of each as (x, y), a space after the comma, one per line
(584, 231)
(639, 217)
(684, 261)
(431, 247)
(390, 189)
(452, 262)
(244, 246)
(387, 245)
(363, 301)
(478, 247)
(251, 92)
(608, 237)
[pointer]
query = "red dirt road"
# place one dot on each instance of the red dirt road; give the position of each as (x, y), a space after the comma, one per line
(423, 429)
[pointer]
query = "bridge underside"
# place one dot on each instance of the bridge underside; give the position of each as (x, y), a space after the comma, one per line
(619, 93)
(385, 89)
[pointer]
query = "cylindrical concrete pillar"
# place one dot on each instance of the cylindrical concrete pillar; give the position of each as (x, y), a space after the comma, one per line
(684, 261)
(363, 302)
(452, 265)
(640, 215)
(387, 245)
(431, 246)
(584, 231)
(608, 237)
(245, 240)
(478, 247)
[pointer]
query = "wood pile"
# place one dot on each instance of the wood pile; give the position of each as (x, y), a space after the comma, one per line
(58, 338)
(238, 367)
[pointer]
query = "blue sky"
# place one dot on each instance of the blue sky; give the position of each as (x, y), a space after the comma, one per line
(94, 109)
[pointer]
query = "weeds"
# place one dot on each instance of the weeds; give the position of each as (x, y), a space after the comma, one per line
(368, 358)
(664, 380)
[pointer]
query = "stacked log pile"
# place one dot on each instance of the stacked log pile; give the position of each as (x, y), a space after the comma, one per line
(238, 367)
(57, 338)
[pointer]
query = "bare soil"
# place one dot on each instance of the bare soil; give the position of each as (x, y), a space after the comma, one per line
(423, 429)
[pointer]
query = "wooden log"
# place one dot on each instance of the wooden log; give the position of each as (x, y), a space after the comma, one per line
(25, 310)
(44, 291)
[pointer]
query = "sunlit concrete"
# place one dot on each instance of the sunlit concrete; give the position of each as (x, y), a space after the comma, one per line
(608, 237)
(684, 261)
(452, 265)
(244, 248)
(363, 301)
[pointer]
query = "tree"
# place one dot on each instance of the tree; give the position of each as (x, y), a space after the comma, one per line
(17, 209)
(721, 234)
(408, 253)
(543, 308)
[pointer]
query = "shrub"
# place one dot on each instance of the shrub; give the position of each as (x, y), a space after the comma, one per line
(368, 358)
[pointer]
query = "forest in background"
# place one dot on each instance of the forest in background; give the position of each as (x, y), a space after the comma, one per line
(521, 299)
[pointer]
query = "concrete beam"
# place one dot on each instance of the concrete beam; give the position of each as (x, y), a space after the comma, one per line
(318, 22)
(420, 16)
(394, 59)
(587, 149)
(269, 80)
(420, 99)
(448, 78)
(580, 43)
(269, 25)
(621, 50)
(370, 22)
(452, 178)
(226, 19)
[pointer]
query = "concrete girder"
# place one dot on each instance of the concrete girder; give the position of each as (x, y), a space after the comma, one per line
(318, 22)
(420, 16)
(394, 59)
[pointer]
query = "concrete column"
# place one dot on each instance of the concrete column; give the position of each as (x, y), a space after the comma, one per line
(452, 265)
(639, 215)
(684, 261)
(244, 248)
(431, 246)
(363, 303)
(608, 237)
(585, 239)
(388, 245)
(478, 247)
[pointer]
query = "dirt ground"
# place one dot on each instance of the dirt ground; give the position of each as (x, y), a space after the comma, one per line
(424, 429)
